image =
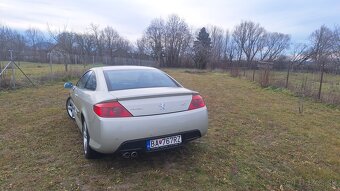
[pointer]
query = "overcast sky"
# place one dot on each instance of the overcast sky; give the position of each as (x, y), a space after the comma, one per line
(130, 18)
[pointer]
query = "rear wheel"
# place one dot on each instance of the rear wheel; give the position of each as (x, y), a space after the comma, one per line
(89, 153)
(70, 108)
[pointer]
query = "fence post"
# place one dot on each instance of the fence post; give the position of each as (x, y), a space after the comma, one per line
(13, 69)
(0, 72)
(13, 76)
(50, 57)
(93, 60)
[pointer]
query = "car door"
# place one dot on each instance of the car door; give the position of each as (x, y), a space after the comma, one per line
(86, 94)
(77, 93)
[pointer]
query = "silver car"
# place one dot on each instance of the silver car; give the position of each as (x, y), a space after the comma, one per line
(131, 109)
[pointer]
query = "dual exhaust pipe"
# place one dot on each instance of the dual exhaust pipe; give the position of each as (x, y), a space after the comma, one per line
(128, 155)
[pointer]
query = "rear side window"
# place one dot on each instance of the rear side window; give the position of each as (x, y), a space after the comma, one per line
(82, 81)
(91, 83)
(139, 78)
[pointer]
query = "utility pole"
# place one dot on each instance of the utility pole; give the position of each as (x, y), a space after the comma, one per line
(13, 65)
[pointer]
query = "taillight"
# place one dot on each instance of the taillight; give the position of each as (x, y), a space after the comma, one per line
(111, 109)
(196, 102)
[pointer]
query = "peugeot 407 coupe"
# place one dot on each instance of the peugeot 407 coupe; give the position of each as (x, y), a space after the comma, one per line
(132, 109)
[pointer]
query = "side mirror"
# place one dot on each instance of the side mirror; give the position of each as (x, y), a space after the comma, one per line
(68, 85)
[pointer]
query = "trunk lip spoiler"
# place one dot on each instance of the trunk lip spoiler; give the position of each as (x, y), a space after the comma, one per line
(150, 96)
(155, 96)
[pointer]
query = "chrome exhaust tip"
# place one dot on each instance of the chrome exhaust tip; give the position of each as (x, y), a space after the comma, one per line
(134, 154)
(126, 155)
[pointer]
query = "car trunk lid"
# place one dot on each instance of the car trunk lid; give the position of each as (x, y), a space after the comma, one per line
(154, 101)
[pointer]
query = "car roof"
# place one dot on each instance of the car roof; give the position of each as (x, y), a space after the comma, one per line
(125, 68)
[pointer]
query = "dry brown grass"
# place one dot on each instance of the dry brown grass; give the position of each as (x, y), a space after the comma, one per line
(257, 140)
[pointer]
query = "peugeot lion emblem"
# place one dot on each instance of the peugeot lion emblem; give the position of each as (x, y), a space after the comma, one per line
(162, 106)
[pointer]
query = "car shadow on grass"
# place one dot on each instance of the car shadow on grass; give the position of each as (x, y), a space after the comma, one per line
(168, 159)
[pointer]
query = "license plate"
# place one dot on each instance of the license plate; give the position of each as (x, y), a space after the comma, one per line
(163, 142)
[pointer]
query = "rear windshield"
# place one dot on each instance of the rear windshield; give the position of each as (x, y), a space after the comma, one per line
(132, 79)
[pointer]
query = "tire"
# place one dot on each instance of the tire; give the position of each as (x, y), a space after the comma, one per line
(89, 153)
(70, 108)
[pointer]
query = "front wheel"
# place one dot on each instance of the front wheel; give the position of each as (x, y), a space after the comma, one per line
(70, 108)
(88, 152)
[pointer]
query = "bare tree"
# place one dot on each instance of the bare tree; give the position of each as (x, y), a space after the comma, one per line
(239, 37)
(109, 38)
(84, 47)
(300, 54)
(142, 47)
(34, 37)
(273, 44)
(321, 49)
(177, 37)
(66, 43)
(336, 49)
(217, 45)
(124, 44)
(63, 43)
(155, 36)
(230, 48)
(89, 44)
(10, 39)
(95, 32)
(107, 43)
(5, 41)
(248, 36)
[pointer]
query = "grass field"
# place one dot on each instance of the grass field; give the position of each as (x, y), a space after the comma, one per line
(257, 140)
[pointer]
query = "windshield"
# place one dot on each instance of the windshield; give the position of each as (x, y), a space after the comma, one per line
(139, 78)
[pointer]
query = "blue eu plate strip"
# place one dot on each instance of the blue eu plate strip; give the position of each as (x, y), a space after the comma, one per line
(148, 145)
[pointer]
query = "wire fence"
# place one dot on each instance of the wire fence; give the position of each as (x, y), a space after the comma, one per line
(57, 67)
(303, 84)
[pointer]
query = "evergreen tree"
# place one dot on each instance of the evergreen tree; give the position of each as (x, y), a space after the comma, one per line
(202, 49)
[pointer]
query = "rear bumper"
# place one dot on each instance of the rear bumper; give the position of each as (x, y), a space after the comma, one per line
(108, 135)
(140, 144)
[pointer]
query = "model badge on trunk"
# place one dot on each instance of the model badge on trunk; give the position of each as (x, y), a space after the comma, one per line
(162, 106)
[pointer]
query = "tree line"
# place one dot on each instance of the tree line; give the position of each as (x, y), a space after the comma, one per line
(171, 42)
